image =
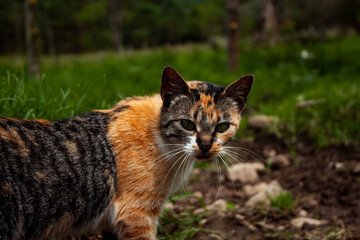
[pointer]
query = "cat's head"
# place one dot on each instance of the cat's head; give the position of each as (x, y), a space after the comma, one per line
(198, 118)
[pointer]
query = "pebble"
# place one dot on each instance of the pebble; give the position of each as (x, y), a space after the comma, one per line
(303, 213)
(279, 161)
(300, 221)
(262, 199)
(245, 172)
(251, 190)
(198, 194)
(340, 166)
(196, 171)
(203, 221)
(240, 217)
(356, 169)
(219, 205)
(269, 152)
(169, 205)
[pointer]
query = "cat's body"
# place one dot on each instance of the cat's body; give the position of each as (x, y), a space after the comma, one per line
(111, 169)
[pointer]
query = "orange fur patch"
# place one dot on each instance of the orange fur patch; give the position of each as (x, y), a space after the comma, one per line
(71, 147)
(134, 133)
(40, 175)
(6, 188)
(42, 121)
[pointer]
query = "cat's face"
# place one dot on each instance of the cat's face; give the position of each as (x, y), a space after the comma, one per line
(198, 118)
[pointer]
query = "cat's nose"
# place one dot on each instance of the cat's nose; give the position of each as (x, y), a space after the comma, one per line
(205, 146)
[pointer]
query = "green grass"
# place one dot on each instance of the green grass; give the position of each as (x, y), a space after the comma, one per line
(72, 84)
(283, 201)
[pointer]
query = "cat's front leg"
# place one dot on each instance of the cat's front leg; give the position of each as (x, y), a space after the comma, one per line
(136, 224)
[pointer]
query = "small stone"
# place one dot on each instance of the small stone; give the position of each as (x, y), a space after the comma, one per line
(309, 202)
(356, 169)
(303, 213)
(251, 190)
(196, 171)
(219, 205)
(300, 221)
(169, 205)
(260, 121)
(203, 221)
(245, 172)
(199, 211)
(339, 166)
(269, 152)
(249, 226)
(198, 194)
(281, 228)
(240, 217)
(262, 199)
(279, 161)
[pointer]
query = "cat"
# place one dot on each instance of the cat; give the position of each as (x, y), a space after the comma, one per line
(112, 169)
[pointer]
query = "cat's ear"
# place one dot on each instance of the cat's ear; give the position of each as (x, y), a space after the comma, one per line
(173, 83)
(239, 90)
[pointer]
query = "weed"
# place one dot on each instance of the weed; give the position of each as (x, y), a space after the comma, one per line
(283, 201)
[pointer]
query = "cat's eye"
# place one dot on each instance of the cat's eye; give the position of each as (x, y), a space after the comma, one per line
(188, 125)
(222, 127)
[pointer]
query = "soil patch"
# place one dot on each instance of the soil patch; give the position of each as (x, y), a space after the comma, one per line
(324, 183)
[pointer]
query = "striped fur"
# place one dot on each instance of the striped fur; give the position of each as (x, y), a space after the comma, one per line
(111, 169)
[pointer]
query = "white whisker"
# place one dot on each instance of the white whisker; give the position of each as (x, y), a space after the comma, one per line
(227, 167)
(218, 183)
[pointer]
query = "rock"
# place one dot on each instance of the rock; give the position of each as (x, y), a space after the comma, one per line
(196, 171)
(260, 121)
(203, 221)
(269, 152)
(198, 194)
(245, 172)
(300, 221)
(308, 202)
(251, 190)
(303, 213)
(219, 205)
(338, 166)
(169, 205)
(199, 211)
(279, 161)
(356, 169)
(239, 217)
(262, 199)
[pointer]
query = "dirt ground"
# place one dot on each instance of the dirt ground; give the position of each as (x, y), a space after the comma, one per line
(325, 184)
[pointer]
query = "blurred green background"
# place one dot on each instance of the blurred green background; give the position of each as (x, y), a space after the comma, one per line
(93, 53)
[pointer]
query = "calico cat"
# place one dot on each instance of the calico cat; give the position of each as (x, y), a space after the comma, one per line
(112, 169)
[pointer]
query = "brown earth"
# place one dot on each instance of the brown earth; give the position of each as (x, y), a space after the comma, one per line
(325, 183)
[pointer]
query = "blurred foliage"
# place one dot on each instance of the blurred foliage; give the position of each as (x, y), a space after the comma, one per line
(325, 72)
(67, 26)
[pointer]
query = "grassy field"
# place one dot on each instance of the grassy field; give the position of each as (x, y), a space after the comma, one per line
(326, 72)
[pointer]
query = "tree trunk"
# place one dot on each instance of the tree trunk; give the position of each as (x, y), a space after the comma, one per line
(31, 38)
(115, 18)
(233, 33)
(271, 22)
(48, 31)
